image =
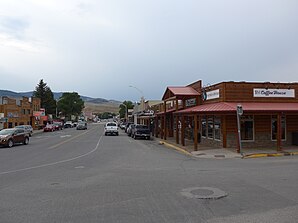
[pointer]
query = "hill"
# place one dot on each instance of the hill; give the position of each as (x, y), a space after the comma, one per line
(96, 105)
(57, 95)
(101, 108)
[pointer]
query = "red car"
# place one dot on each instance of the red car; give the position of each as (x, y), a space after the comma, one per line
(58, 125)
(49, 128)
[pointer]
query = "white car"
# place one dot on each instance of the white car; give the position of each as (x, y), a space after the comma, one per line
(111, 128)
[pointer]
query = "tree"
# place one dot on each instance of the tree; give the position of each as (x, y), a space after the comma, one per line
(125, 105)
(46, 96)
(70, 104)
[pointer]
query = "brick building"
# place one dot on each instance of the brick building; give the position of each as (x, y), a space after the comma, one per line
(18, 111)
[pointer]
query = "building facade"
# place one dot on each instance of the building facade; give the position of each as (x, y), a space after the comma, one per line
(18, 111)
(267, 115)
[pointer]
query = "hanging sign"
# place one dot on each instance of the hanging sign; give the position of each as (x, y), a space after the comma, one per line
(211, 94)
(273, 93)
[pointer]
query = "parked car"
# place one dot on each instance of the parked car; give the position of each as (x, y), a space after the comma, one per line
(58, 125)
(122, 125)
(111, 128)
(68, 124)
(129, 129)
(127, 125)
(10, 137)
(82, 125)
(140, 131)
(27, 128)
(49, 128)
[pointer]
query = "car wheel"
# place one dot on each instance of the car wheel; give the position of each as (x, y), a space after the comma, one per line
(10, 143)
(117, 134)
(26, 141)
(106, 134)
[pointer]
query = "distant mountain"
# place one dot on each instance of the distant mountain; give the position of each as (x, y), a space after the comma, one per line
(57, 95)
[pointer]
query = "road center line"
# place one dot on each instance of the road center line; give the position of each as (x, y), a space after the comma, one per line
(67, 140)
(55, 163)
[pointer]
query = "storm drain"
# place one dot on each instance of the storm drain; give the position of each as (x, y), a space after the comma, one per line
(203, 193)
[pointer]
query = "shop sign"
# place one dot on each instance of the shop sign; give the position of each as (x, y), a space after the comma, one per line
(211, 95)
(12, 114)
(190, 102)
(273, 93)
(3, 120)
(43, 111)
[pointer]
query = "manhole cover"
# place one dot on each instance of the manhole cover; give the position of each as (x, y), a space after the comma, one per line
(203, 193)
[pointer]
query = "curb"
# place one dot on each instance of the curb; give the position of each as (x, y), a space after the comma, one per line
(175, 147)
(260, 155)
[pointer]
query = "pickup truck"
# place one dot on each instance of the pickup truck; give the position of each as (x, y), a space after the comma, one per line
(140, 131)
(111, 128)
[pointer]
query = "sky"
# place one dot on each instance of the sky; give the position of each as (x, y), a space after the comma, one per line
(125, 49)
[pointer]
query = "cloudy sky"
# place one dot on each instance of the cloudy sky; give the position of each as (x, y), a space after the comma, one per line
(99, 48)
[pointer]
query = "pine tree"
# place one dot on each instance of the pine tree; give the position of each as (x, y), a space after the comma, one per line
(46, 96)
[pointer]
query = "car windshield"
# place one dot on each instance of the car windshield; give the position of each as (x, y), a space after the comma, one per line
(6, 131)
(111, 124)
(141, 126)
(20, 127)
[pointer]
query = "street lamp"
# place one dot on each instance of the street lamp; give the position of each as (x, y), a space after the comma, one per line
(141, 103)
(57, 107)
(142, 94)
(125, 111)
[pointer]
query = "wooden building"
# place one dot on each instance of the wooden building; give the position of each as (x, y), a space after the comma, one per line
(208, 115)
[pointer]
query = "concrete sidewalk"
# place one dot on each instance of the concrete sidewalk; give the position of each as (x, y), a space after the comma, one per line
(222, 153)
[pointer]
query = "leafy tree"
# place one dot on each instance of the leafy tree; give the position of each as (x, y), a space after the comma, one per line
(70, 104)
(122, 107)
(46, 96)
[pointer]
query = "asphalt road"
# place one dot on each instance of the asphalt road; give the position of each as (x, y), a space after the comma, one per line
(84, 176)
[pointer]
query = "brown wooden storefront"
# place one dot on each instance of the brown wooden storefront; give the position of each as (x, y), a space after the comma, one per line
(269, 120)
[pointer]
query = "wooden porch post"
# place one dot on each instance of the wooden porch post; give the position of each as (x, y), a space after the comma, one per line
(195, 132)
(279, 132)
(224, 131)
(171, 133)
(177, 123)
(165, 121)
(177, 129)
(165, 128)
(156, 124)
(161, 126)
(183, 130)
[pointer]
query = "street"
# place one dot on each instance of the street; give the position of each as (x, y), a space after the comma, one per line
(83, 176)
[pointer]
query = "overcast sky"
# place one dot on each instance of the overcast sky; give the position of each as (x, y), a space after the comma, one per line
(99, 48)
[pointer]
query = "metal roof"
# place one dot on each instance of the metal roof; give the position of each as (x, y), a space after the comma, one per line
(179, 91)
(222, 107)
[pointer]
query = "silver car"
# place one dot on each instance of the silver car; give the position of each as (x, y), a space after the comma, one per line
(27, 128)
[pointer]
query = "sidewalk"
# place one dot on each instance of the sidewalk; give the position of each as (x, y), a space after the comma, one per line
(223, 153)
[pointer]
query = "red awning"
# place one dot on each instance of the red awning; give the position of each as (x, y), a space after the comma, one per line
(230, 107)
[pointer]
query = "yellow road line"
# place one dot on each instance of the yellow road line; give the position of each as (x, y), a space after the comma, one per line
(61, 143)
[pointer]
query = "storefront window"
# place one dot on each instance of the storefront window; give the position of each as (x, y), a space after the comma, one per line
(204, 129)
(210, 128)
(274, 127)
(217, 126)
(247, 128)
